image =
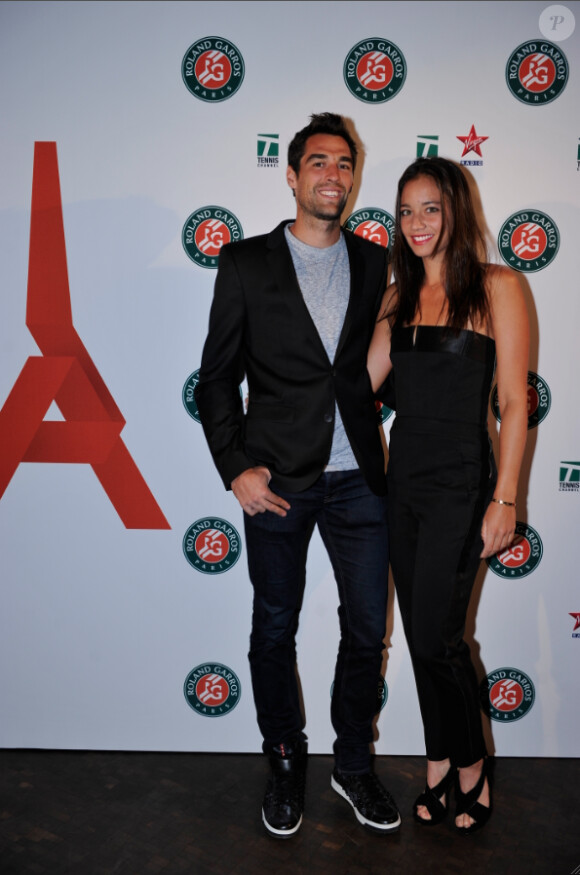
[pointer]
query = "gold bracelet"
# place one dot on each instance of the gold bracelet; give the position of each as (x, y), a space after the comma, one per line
(501, 501)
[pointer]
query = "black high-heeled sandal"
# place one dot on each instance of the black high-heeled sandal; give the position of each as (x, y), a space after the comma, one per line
(431, 799)
(467, 803)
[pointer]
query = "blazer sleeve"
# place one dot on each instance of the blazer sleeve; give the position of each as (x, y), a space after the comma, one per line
(217, 393)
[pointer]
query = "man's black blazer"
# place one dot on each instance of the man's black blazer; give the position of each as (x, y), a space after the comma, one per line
(260, 327)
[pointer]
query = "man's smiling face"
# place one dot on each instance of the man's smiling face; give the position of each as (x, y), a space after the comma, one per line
(325, 179)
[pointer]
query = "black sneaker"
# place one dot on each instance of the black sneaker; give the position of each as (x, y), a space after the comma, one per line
(374, 807)
(284, 799)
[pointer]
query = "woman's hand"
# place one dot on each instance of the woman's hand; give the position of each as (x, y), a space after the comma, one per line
(498, 528)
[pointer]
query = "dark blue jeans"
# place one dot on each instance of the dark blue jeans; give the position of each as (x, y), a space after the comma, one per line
(353, 525)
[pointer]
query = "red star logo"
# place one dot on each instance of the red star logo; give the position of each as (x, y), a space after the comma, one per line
(472, 143)
(577, 618)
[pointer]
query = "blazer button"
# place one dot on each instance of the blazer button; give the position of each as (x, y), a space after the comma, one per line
(328, 417)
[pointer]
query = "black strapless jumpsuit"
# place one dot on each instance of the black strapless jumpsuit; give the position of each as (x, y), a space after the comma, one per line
(441, 476)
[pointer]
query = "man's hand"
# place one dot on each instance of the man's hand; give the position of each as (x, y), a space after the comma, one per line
(252, 491)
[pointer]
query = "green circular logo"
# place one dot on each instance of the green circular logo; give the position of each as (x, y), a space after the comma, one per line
(507, 694)
(213, 69)
(382, 694)
(375, 70)
(522, 556)
(539, 400)
(383, 412)
(188, 395)
(536, 72)
(374, 224)
(528, 241)
(212, 689)
(206, 231)
(212, 545)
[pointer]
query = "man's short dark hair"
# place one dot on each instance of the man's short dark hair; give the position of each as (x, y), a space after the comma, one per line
(320, 123)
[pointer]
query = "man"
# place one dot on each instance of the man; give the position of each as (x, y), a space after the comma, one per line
(294, 311)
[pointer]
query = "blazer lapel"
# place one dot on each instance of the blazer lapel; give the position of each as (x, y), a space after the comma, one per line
(282, 267)
(357, 278)
(281, 264)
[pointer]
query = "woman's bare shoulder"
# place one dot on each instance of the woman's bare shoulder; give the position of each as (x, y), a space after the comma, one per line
(501, 280)
(506, 298)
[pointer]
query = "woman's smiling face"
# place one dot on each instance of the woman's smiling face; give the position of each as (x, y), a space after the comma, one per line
(422, 217)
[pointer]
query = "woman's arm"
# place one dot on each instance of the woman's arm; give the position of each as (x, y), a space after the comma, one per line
(378, 359)
(511, 332)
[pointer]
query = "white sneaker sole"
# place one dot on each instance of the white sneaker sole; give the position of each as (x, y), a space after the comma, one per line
(281, 833)
(370, 824)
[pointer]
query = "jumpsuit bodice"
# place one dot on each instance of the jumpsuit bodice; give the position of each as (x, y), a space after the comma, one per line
(442, 382)
(442, 375)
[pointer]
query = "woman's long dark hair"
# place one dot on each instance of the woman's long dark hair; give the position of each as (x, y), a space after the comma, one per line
(464, 268)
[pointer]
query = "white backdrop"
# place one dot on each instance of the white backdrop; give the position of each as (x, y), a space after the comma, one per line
(101, 625)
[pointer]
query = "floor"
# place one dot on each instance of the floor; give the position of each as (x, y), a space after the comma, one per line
(99, 813)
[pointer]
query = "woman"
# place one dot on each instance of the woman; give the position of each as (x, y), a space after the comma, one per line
(446, 321)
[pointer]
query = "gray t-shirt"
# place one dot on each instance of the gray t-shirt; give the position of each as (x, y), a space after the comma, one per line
(324, 280)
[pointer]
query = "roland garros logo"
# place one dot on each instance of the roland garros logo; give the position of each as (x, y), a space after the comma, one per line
(373, 224)
(383, 412)
(528, 241)
(382, 694)
(507, 694)
(188, 395)
(522, 556)
(378, 226)
(212, 545)
(213, 69)
(536, 72)
(539, 400)
(375, 70)
(212, 689)
(206, 231)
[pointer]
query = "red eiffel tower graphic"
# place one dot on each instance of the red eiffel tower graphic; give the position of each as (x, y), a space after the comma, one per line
(66, 374)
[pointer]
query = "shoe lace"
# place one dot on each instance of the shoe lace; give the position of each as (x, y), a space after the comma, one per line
(286, 788)
(368, 787)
